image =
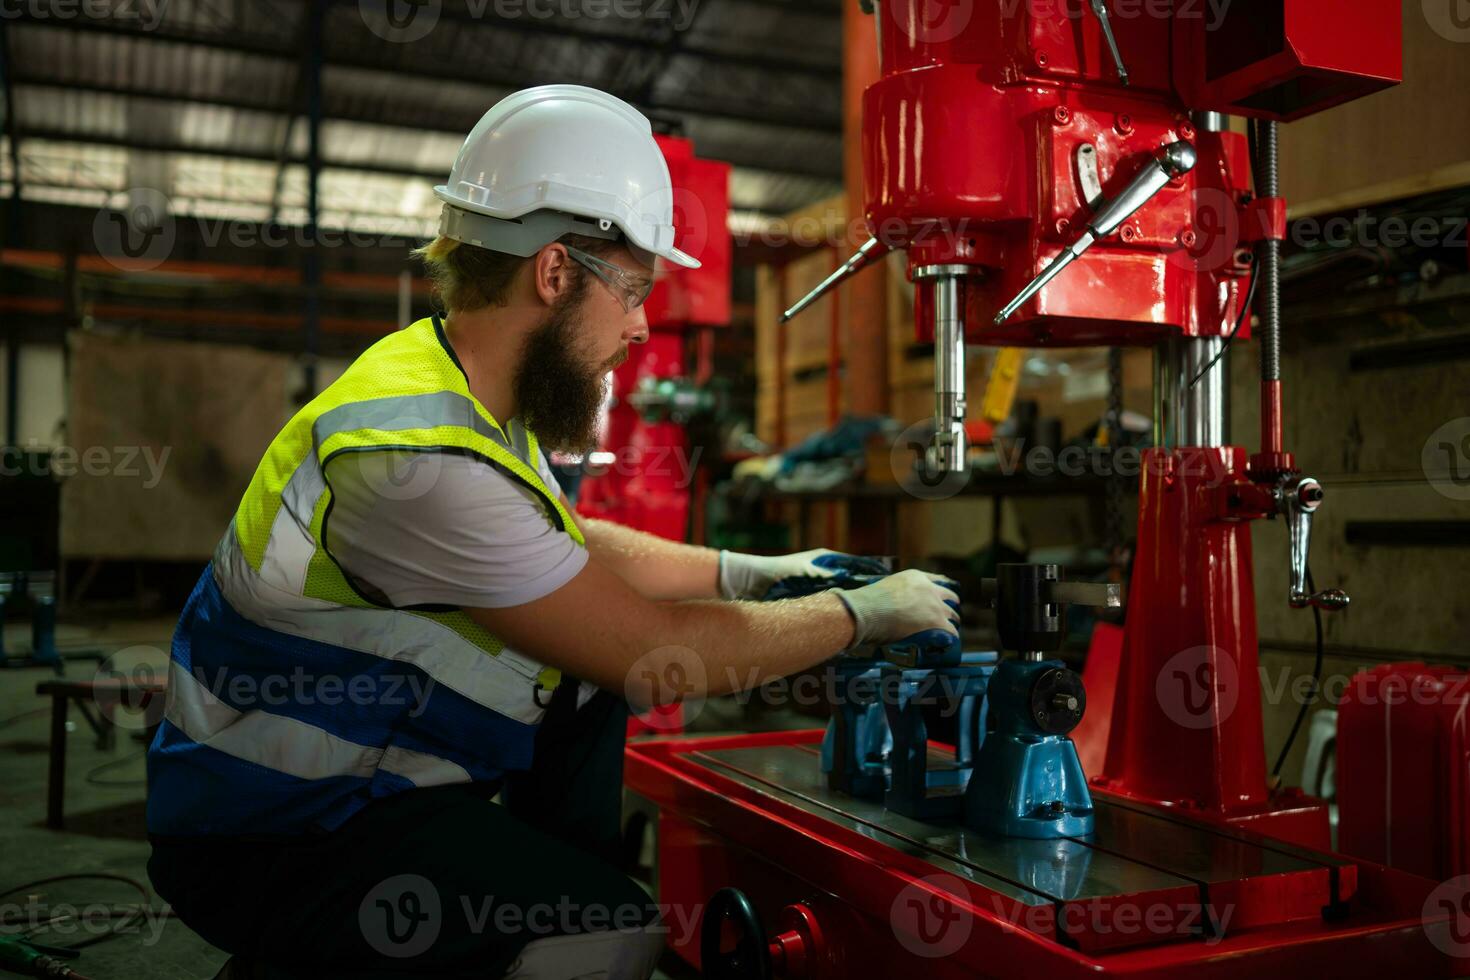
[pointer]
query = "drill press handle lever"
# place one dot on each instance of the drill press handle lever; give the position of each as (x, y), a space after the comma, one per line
(1299, 500)
(1174, 160)
(867, 253)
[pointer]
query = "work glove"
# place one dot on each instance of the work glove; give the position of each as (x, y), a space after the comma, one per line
(901, 606)
(751, 576)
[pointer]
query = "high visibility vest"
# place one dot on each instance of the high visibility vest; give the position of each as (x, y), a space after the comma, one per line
(294, 699)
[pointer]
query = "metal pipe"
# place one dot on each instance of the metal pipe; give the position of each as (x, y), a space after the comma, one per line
(1159, 395)
(1168, 394)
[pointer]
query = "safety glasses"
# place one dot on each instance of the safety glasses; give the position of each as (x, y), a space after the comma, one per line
(630, 288)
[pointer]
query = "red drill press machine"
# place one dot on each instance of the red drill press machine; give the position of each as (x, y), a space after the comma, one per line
(1065, 173)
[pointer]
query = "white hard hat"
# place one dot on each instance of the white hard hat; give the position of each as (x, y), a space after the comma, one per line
(555, 159)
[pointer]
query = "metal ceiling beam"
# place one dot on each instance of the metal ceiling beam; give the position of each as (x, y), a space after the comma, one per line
(263, 156)
(732, 152)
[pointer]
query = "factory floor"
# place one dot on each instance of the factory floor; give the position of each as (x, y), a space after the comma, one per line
(104, 832)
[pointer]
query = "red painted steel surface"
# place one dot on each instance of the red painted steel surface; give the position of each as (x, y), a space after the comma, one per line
(884, 913)
(970, 139)
(1285, 59)
(1186, 725)
(1403, 768)
(1100, 678)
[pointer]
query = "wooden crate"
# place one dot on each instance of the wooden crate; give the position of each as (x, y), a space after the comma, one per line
(806, 408)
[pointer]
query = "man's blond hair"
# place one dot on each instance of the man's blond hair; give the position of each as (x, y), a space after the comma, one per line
(467, 277)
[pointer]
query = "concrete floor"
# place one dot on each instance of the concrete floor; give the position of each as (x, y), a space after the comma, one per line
(104, 831)
(104, 823)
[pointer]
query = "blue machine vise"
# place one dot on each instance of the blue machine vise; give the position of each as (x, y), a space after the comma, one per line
(1028, 781)
(1019, 778)
(877, 742)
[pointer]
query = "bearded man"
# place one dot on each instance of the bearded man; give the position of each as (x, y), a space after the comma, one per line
(393, 739)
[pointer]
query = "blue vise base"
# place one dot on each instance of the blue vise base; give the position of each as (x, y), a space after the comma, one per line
(1027, 782)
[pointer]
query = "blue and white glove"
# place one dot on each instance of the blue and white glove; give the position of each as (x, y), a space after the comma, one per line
(912, 605)
(751, 576)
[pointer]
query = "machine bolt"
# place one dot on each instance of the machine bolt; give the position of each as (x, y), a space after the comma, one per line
(1125, 125)
(1062, 225)
(1188, 239)
(1064, 702)
(1243, 256)
(1186, 131)
(1042, 59)
(1062, 115)
(1129, 233)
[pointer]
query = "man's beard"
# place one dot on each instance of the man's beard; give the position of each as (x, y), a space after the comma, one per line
(560, 396)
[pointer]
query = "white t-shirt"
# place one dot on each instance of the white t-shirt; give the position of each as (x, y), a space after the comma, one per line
(416, 529)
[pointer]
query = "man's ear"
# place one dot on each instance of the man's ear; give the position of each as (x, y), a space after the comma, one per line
(551, 273)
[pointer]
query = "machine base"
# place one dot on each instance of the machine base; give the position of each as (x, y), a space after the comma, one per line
(1150, 894)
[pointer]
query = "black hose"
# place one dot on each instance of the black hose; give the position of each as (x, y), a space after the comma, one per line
(1245, 312)
(1301, 714)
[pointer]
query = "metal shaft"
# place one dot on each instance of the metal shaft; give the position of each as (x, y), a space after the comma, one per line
(1053, 270)
(1202, 410)
(1100, 7)
(949, 448)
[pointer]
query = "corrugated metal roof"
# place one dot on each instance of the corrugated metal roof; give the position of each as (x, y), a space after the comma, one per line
(208, 96)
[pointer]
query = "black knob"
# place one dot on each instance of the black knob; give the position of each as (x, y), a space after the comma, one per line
(1057, 701)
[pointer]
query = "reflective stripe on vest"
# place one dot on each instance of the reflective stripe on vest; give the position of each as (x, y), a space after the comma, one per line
(275, 601)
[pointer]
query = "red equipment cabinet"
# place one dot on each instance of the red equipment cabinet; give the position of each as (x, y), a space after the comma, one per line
(1403, 769)
(645, 485)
